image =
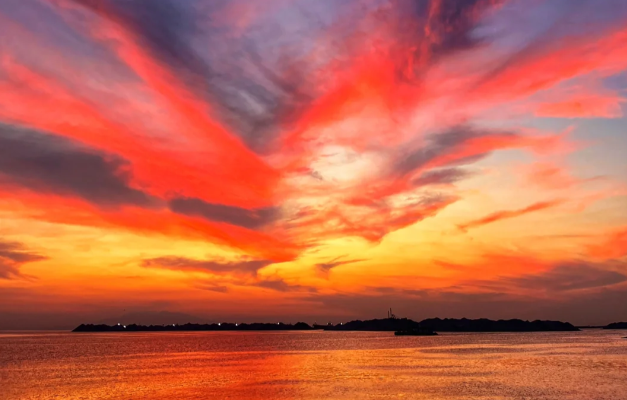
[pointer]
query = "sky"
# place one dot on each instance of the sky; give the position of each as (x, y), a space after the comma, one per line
(239, 160)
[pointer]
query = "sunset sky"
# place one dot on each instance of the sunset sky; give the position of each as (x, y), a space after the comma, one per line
(249, 160)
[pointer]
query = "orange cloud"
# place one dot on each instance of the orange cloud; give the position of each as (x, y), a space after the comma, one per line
(157, 222)
(507, 214)
(613, 245)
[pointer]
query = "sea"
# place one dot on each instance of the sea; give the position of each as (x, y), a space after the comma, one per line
(586, 365)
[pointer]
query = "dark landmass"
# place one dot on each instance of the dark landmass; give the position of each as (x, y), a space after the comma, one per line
(299, 326)
(387, 324)
(454, 325)
(616, 325)
(591, 327)
(487, 325)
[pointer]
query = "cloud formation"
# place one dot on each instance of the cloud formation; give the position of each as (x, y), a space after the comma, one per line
(230, 274)
(42, 162)
(507, 214)
(238, 267)
(280, 285)
(442, 176)
(612, 245)
(325, 268)
(291, 131)
(251, 219)
(563, 278)
(12, 256)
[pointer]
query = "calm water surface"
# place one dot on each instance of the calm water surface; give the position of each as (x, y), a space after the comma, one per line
(313, 365)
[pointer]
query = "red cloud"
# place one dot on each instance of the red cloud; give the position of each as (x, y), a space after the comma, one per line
(590, 106)
(546, 64)
(390, 88)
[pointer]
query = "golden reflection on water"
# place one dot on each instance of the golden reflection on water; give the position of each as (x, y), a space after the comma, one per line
(313, 365)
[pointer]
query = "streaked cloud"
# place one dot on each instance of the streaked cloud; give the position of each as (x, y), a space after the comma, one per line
(507, 214)
(12, 256)
(325, 268)
(251, 219)
(569, 277)
(42, 162)
(238, 267)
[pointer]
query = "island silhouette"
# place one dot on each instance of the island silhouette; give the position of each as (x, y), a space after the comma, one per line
(387, 324)
(616, 325)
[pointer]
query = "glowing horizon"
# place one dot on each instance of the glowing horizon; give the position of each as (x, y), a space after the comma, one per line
(309, 159)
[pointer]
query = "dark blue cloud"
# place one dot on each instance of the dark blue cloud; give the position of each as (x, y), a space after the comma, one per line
(53, 164)
(248, 88)
(244, 266)
(451, 24)
(439, 145)
(252, 219)
(441, 176)
(12, 256)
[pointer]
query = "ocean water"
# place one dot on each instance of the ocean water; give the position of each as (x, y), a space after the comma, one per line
(313, 365)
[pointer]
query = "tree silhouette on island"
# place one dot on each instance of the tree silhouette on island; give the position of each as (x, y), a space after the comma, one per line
(386, 324)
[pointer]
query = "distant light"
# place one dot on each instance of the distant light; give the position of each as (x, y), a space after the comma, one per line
(173, 324)
(278, 323)
(236, 324)
(124, 326)
(341, 323)
(219, 324)
(118, 324)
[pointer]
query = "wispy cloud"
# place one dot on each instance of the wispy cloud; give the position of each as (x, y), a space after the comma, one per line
(280, 285)
(611, 245)
(569, 277)
(507, 214)
(325, 268)
(251, 219)
(238, 267)
(12, 256)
